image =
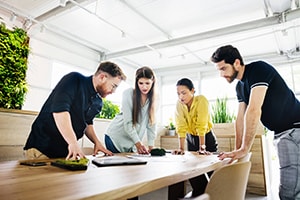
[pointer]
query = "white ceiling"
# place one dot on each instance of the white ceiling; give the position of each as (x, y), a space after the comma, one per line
(168, 34)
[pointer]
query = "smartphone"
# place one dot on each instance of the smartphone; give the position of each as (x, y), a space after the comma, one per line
(34, 164)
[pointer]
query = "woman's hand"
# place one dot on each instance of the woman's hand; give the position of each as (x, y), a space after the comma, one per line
(141, 149)
(204, 152)
(178, 152)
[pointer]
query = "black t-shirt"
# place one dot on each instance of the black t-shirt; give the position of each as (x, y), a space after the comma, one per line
(75, 94)
(281, 109)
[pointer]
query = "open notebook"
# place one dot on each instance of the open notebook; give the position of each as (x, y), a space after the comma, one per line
(117, 160)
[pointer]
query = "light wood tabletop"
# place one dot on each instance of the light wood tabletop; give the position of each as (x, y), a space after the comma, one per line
(114, 182)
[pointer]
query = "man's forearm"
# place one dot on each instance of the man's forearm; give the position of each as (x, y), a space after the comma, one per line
(64, 125)
(239, 130)
(251, 123)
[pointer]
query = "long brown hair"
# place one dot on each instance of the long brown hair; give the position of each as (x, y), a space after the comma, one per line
(144, 72)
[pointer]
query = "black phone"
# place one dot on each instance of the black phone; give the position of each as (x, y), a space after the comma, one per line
(34, 164)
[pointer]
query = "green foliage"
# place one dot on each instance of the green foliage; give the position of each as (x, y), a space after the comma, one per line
(109, 110)
(82, 161)
(221, 113)
(171, 125)
(14, 51)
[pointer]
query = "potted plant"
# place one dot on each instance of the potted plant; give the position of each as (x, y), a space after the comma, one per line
(222, 118)
(171, 127)
(221, 113)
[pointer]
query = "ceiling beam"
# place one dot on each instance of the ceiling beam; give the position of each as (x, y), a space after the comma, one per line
(60, 9)
(273, 58)
(252, 25)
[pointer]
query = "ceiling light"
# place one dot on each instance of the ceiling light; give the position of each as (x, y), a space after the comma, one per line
(279, 6)
(42, 28)
(123, 34)
(63, 3)
(286, 40)
(27, 24)
(13, 17)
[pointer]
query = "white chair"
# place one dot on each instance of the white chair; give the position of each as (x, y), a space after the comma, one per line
(229, 182)
(240, 160)
(245, 158)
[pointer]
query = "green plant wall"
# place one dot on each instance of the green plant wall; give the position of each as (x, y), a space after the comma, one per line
(14, 51)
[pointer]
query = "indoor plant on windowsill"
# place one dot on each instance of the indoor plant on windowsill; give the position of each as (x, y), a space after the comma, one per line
(171, 128)
(222, 119)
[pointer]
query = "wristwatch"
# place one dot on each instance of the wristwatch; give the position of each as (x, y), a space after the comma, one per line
(203, 147)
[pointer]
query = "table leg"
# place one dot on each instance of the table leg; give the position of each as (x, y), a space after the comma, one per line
(176, 191)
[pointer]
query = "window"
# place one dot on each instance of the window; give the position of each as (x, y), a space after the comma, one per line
(169, 100)
(60, 69)
(116, 97)
(217, 87)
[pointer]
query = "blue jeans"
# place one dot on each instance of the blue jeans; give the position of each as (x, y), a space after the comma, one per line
(110, 145)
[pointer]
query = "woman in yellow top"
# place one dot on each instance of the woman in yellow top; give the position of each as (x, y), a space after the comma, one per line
(193, 124)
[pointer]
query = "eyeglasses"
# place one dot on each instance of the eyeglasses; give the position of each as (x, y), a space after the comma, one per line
(114, 86)
(110, 79)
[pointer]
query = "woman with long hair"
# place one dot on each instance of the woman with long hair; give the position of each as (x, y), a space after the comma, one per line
(137, 118)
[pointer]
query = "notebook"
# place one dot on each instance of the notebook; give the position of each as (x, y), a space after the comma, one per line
(117, 160)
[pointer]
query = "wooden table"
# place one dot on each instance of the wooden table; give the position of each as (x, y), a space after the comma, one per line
(118, 182)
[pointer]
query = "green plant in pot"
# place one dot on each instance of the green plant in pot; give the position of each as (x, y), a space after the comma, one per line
(171, 127)
(220, 112)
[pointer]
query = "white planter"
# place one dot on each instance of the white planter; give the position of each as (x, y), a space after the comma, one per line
(171, 132)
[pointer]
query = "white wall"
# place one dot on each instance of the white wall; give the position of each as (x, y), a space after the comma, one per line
(47, 49)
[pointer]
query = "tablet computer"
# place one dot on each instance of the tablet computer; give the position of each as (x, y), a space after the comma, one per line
(117, 160)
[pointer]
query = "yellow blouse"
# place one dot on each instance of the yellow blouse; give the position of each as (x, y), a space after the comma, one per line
(197, 121)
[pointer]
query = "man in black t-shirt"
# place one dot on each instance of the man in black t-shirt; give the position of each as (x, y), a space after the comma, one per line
(68, 114)
(264, 96)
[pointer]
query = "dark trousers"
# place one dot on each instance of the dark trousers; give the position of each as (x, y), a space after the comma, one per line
(199, 183)
(110, 145)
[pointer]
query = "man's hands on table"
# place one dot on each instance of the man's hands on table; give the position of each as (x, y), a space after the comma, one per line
(233, 155)
(181, 152)
(99, 147)
(75, 152)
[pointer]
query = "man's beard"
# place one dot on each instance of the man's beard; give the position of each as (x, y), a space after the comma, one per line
(231, 78)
